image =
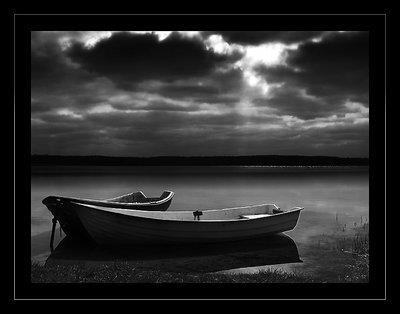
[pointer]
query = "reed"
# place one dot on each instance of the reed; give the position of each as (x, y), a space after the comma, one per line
(354, 239)
(348, 244)
(357, 242)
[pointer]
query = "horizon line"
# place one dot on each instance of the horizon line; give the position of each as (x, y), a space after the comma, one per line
(195, 156)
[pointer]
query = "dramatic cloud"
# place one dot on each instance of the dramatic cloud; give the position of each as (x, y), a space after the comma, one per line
(260, 37)
(127, 58)
(334, 68)
(148, 93)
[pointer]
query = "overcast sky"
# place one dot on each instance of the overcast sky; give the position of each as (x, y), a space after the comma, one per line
(200, 93)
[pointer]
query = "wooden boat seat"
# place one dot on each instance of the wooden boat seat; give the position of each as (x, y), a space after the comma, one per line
(254, 216)
(138, 197)
(135, 197)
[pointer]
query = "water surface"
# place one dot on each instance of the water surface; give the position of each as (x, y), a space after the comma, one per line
(335, 200)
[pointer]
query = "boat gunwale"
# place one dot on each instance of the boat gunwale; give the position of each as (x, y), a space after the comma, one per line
(108, 203)
(130, 213)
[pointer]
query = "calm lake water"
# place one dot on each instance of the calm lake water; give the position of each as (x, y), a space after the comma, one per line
(336, 199)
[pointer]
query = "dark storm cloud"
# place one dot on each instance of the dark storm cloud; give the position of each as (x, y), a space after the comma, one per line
(320, 77)
(127, 58)
(132, 94)
(352, 138)
(217, 88)
(38, 107)
(160, 119)
(53, 119)
(176, 133)
(222, 87)
(153, 130)
(207, 94)
(56, 131)
(338, 63)
(260, 37)
(156, 105)
(227, 81)
(51, 69)
(293, 102)
(46, 58)
(337, 67)
(228, 101)
(290, 101)
(188, 91)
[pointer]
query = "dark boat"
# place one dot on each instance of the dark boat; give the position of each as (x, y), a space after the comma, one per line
(64, 209)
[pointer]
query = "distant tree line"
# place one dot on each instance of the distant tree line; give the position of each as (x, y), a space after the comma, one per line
(257, 160)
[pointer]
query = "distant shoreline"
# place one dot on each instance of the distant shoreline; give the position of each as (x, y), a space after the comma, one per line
(258, 160)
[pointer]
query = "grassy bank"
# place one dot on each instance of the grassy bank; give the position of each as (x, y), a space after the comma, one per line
(123, 272)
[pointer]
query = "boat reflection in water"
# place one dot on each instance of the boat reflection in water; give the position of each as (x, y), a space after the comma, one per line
(211, 257)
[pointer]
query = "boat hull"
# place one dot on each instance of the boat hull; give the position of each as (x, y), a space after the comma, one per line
(107, 227)
(66, 209)
(160, 205)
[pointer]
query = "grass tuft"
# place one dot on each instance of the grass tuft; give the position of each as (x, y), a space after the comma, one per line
(124, 272)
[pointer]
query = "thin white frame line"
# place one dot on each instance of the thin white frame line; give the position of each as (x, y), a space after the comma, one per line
(14, 158)
(205, 14)
(385, 161)
(216, 15)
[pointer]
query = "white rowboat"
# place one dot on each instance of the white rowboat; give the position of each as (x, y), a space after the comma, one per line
(121, 226)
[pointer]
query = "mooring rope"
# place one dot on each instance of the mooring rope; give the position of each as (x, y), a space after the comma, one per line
(53, 228)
